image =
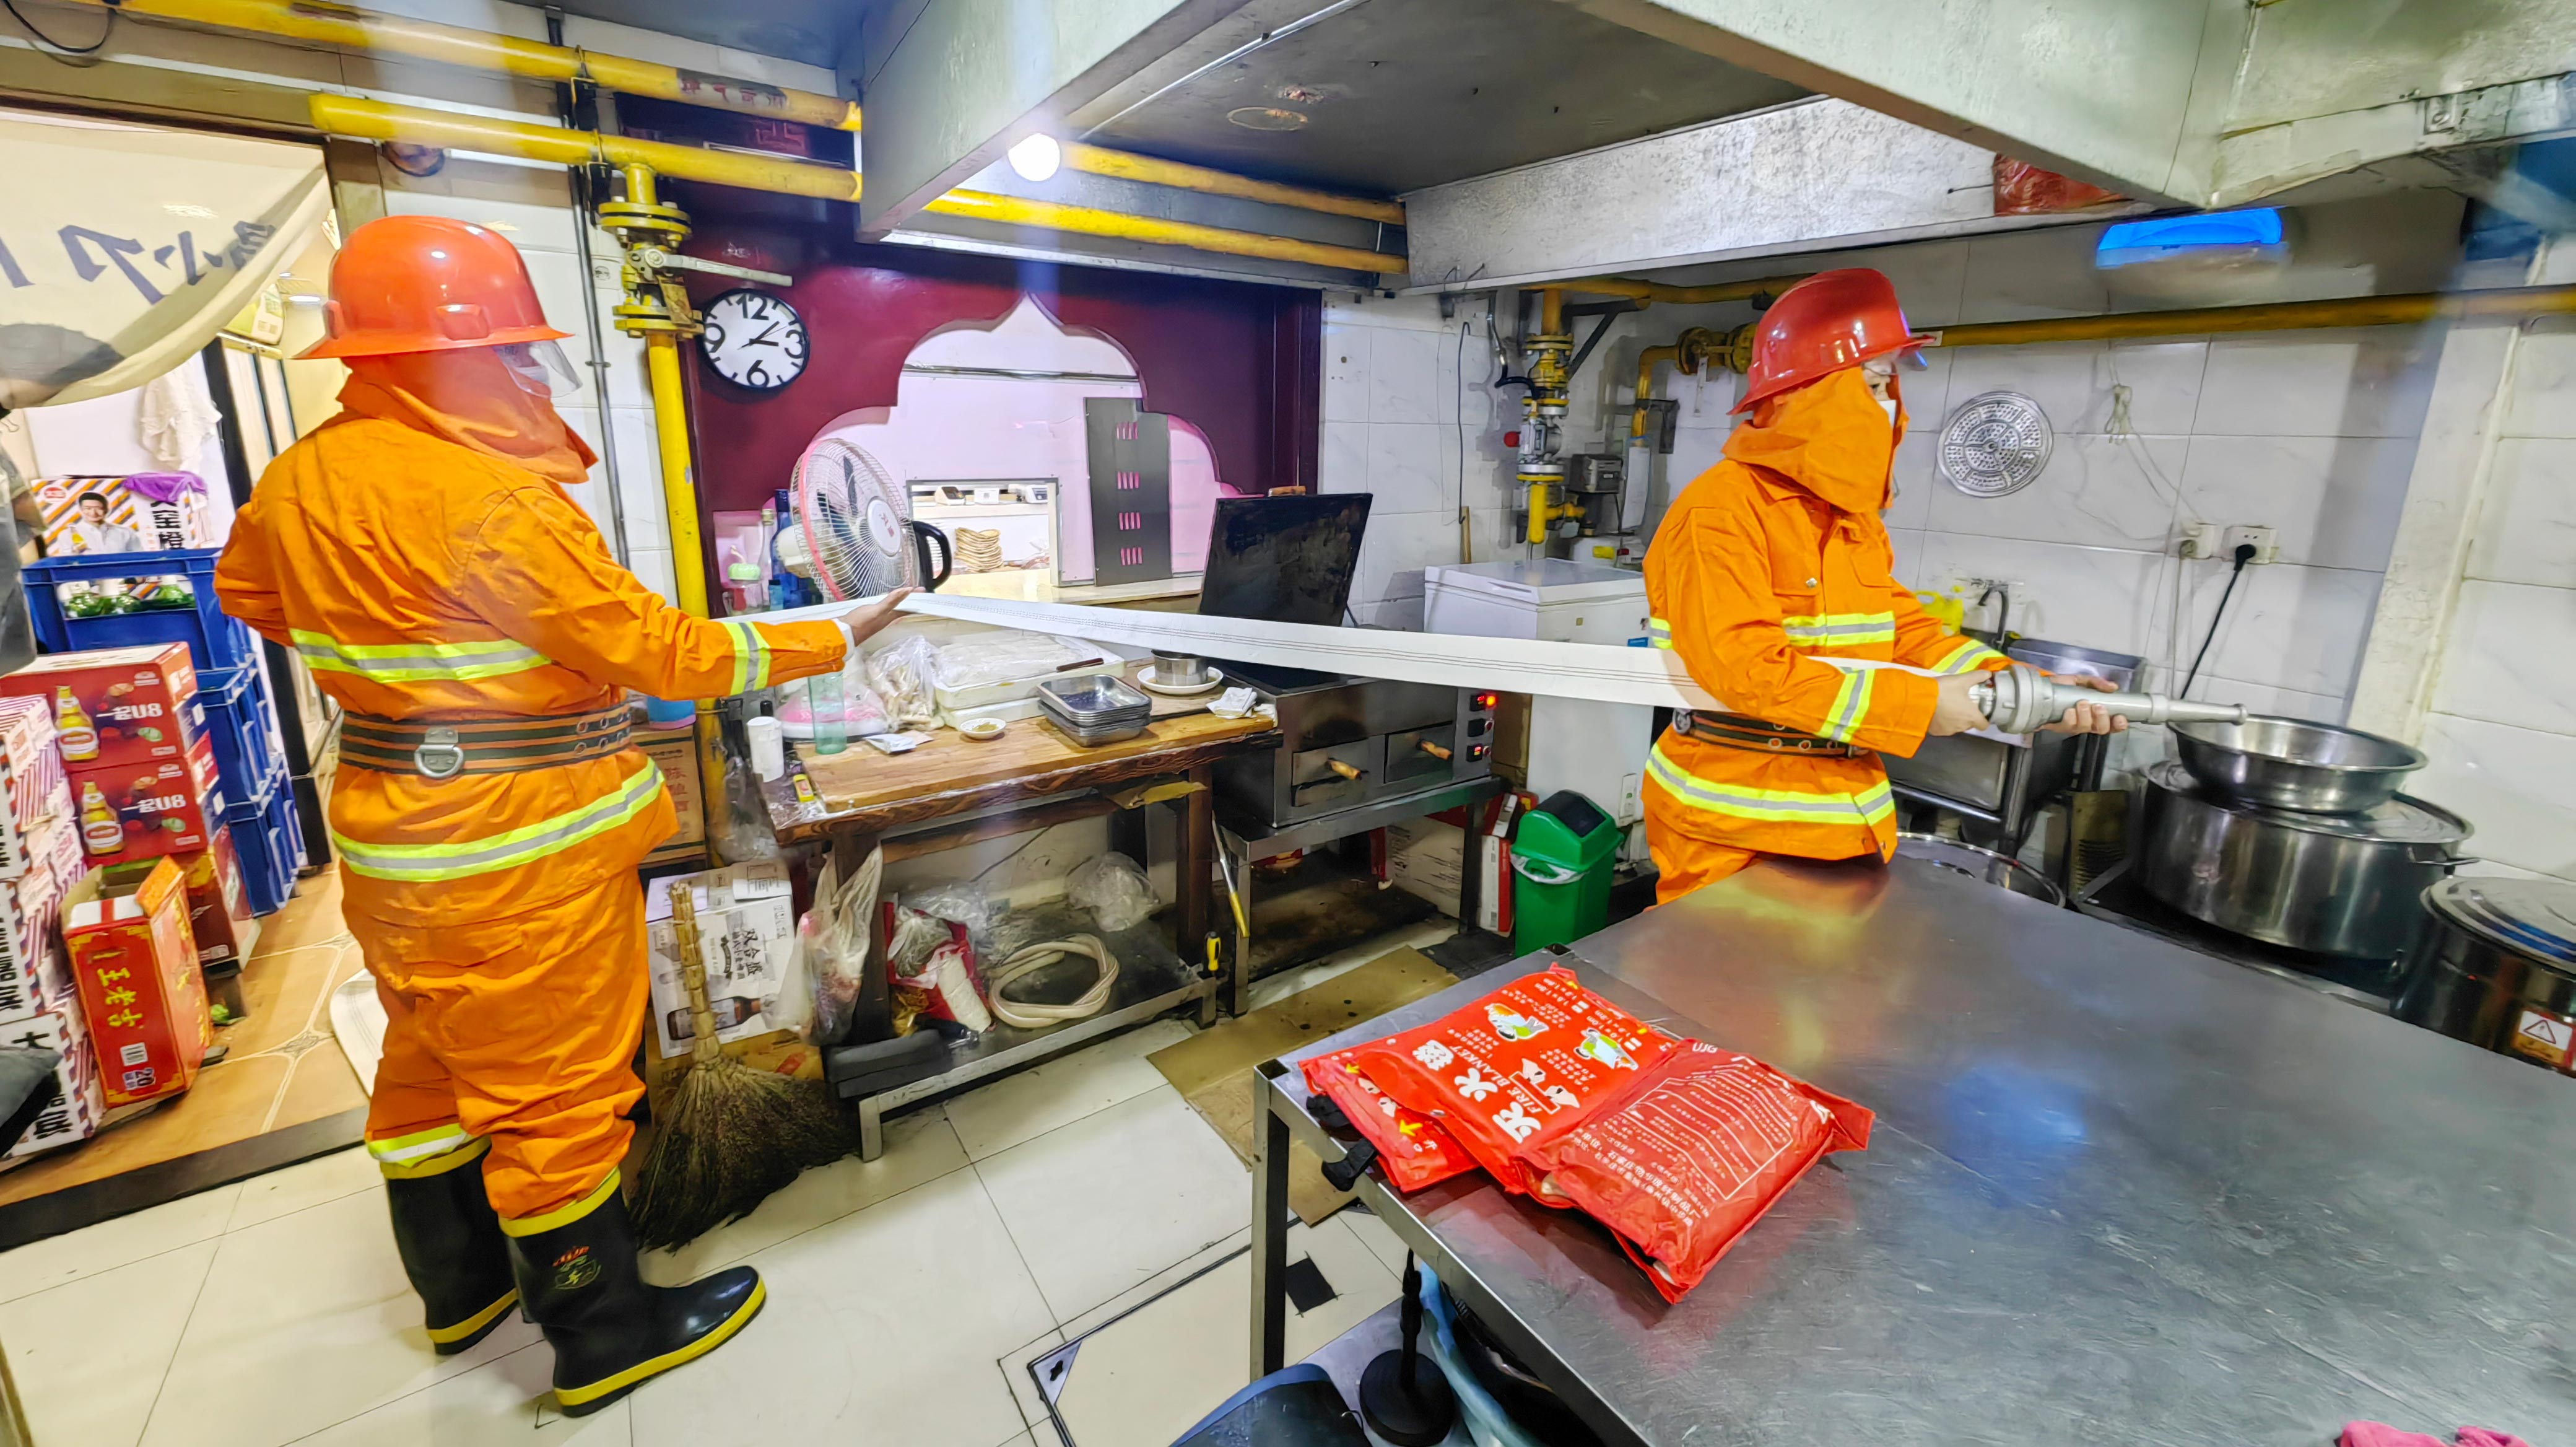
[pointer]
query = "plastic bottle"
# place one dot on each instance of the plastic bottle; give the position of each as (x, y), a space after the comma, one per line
(73, 729)
(101, 833)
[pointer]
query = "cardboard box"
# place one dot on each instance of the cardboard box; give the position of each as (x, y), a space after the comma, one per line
(157, 510)
(173, 806)
(29, 762)
(218, 908)
(677, 753)
(75, 1116)
(117, 705)
(126, 928)
(1426, 858)
(746, 937)
(34, 974)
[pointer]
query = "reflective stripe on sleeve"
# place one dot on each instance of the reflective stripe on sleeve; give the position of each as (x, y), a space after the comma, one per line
(423, 863)
(1969, 656)
(416, 662)
(1840, 630)
(1851, 705)
(750, 656)
(1783, 806)
(1659, 633)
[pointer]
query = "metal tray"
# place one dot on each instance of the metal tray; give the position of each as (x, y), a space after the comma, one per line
(1094, 699)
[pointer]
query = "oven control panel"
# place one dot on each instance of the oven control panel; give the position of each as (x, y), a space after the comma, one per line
(1476, 725)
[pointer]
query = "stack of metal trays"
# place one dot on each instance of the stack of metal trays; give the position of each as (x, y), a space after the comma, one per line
(1094, 709)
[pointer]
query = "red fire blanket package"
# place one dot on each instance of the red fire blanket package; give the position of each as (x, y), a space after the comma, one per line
(1415, 1150)
(1540, 1049)
(1685, 1162)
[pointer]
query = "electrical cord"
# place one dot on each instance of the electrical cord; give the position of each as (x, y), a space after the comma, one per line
(1036, 957)
(92, 48)
(2244, 555)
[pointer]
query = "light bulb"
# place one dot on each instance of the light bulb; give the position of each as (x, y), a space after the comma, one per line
(1036, 157)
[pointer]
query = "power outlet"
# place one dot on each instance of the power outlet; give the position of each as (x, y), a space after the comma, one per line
(2267, 548)
(2200, 540)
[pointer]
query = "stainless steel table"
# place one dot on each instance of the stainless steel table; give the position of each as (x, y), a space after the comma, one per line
(2118, 1192)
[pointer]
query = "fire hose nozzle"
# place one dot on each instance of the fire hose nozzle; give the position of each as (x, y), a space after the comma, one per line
(2019, 699)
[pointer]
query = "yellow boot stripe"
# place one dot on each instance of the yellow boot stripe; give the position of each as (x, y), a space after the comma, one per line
(438, 1165)
(561, 1215)
(479, 1320)
(575, 1396)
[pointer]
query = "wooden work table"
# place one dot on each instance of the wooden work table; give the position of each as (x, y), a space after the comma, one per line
(953, 791)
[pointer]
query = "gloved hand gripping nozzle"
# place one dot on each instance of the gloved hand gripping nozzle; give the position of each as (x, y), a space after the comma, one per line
(2020, 698)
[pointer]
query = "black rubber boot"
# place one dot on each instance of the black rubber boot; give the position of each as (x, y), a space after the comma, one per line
(609, 1330)
(453, 1250)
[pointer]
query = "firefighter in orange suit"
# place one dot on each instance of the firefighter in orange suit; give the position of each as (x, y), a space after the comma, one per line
(1771, 562)
(421, 554)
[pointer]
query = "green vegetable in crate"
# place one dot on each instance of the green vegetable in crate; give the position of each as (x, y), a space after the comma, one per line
(168, 595)
(88, 605)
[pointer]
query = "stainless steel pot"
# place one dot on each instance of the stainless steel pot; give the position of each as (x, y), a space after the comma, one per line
(1985, 864)
(2287, 763)
(2334, 884)
(2498, 968)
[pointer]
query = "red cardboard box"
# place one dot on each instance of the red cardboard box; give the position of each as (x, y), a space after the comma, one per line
(218, 908)
(143, 811)
(126, 927)
(117, 705)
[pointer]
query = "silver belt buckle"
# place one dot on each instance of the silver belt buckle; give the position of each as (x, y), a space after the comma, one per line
(439, 755)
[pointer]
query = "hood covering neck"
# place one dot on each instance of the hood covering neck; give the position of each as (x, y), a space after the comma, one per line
(1829, 437)
(469, 398)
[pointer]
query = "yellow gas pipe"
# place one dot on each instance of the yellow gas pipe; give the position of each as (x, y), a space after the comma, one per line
(2356, 311)
(350, 28)
(657, 309)
(377, 121)
(1543, 411)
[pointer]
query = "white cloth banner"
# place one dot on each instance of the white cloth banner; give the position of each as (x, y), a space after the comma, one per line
(124, 249)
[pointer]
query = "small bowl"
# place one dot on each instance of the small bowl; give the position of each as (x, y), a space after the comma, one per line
(981, 730)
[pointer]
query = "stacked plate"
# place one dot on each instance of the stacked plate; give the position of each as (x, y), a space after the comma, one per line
(1095, 709)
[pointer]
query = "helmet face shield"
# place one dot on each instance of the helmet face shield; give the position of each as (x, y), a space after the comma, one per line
(540, 368)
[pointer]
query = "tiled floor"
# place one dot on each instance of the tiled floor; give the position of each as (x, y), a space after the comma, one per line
(906, 1293)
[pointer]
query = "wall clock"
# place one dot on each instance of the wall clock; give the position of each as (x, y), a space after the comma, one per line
(754, 339)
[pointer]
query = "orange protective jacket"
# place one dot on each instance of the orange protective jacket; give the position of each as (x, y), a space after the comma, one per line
(417, 555)
(1767, 563)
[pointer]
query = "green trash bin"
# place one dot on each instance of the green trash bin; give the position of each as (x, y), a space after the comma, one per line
(1561, 860)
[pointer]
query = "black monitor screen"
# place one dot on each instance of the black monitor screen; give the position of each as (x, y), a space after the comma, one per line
(1284, 559)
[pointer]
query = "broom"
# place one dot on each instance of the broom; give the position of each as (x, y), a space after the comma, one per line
(733, 1134)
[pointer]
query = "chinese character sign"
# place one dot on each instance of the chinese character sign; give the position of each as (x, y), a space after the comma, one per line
(124, 249)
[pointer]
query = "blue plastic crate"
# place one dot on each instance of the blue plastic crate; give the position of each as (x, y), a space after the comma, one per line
(217, 641)
(265, 837)
(239, 720)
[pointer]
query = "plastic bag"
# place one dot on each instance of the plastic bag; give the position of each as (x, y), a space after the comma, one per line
(1689, 1157)
(1006, 656)
(2022, 189)
(930, 963)
(900, 674)
(1414, 1149)
(1496, 1072)
(836, 937)
(863, 714)
(1114, 890)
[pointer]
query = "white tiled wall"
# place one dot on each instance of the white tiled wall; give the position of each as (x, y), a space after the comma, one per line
(2502, 731)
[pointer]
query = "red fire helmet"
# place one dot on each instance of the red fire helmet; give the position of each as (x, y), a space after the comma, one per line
(428, 284)
(1832, 320)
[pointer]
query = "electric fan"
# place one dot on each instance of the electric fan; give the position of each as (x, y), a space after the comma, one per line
(854, 536)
